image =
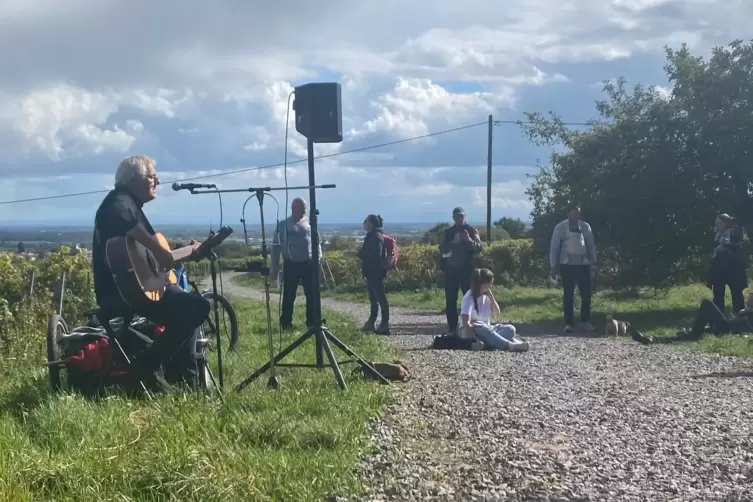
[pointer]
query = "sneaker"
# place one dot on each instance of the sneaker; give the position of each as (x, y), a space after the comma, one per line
(477, 346)
(368, 327)
(587, 327)
(519, 346)
(382, 329)
(569, 328)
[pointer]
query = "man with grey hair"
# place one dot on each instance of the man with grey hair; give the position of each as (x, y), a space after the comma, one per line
(181, 313)
(293, 240)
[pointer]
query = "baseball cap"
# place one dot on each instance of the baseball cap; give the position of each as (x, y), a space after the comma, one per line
(458, 210)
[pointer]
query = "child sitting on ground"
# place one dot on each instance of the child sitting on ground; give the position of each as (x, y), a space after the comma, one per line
(476, 313)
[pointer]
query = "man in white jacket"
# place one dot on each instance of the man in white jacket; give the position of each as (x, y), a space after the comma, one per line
(571, 254)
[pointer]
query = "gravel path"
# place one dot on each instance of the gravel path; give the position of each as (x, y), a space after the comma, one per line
(579, 419)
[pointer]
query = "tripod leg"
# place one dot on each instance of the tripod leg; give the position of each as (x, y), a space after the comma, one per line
(348, 351)
(214, 383)
(332, 360)
(290, 348)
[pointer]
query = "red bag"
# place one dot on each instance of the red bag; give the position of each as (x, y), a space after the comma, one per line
(389, 255)
(92, 357)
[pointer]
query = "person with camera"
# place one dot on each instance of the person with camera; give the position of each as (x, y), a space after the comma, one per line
(459, 247)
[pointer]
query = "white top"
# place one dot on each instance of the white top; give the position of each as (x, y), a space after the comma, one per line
(481, 316)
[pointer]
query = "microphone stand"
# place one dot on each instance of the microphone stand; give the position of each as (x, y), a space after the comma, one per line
(264, 270)
(273, 382)
(317, 328)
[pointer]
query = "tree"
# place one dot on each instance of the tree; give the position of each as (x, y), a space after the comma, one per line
(498, 234)
(21, 247)
(515, 227)
(655, 170)
(434, 234)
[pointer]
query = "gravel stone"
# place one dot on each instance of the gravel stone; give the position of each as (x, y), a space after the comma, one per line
(573, 419)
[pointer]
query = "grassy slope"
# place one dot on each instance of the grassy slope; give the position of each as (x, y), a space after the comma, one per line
(658, 314)
(302, 443)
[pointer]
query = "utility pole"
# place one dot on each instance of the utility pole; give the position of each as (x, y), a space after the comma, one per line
(489, 184)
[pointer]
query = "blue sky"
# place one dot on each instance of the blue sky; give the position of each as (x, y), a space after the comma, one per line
(202, 87)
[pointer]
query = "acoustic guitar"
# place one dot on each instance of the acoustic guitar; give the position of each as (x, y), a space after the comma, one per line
(136, 271)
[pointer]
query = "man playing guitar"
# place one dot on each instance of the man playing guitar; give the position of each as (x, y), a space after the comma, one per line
(181, 313)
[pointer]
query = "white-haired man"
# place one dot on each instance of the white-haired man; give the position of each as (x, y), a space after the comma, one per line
(121, 215)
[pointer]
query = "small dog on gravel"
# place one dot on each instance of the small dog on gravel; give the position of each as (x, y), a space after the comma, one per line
(615, 327)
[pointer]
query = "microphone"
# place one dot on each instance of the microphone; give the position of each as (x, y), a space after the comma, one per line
(190, 186)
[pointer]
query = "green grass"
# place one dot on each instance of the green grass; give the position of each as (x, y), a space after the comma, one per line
(300, 443)
(653, 314)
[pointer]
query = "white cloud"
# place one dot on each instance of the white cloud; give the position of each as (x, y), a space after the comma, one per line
(413, 104)
(47, 119)
(205, 86)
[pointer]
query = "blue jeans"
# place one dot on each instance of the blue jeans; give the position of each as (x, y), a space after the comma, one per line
(500, 337)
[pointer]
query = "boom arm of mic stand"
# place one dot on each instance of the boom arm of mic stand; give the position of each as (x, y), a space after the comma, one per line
(261, 189)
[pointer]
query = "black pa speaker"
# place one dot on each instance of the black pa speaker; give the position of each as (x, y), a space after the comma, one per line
(318, 112)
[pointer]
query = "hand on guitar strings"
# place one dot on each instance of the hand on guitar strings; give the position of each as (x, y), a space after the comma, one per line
(165, 259)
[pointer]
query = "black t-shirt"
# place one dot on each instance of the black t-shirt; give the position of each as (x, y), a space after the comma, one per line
(119, 212)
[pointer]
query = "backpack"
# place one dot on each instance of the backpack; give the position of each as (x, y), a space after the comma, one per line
(389, 255)
(394, 372)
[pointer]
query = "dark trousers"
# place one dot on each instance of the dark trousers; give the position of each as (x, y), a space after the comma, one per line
(378, 299)
(455, 278)
(293, 274)
(181, 313)
(573, 275)
(709, 313)
(719, 288)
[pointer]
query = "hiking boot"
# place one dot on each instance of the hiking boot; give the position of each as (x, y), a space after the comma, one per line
(368, 327)
(641, 338)
(569, 328)
(382, 329)
(519, 346)
(587, 327)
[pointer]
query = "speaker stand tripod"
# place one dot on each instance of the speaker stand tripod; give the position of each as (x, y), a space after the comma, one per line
(318, 330)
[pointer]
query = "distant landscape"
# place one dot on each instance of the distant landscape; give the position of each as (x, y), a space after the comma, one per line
(45, 238)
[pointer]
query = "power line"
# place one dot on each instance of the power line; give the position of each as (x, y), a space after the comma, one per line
(270, 166)
(257, 168)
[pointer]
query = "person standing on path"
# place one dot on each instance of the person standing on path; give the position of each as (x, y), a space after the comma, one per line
(728, 264)
(370, 254)
(459, 246)
(572, 253)
(293, 240)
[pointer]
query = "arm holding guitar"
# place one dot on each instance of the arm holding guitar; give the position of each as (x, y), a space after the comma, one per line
(164, 256)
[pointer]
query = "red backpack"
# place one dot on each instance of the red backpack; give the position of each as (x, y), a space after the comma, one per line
(389, 255)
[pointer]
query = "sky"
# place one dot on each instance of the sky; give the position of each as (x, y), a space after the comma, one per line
(203, 88)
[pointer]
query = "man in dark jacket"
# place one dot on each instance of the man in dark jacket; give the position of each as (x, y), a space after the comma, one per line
(459, 246)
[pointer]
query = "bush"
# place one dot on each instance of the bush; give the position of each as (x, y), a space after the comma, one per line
(24, 313)
(514, 262)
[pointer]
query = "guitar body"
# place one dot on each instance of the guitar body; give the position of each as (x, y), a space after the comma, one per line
(135, 270)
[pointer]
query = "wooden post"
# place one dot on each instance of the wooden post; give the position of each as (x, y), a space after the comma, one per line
(62, 292)
(489, 182)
